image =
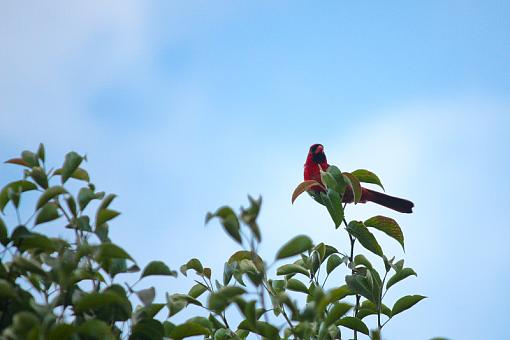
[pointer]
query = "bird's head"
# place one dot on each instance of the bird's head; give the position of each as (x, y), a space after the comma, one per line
(316, 154)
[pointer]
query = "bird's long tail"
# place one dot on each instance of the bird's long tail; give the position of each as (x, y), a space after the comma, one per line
(395, 203)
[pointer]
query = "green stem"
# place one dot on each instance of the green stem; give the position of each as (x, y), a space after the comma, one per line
(351, 258)
(380, 305)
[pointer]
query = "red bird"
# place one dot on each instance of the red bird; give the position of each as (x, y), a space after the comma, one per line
(317, 157)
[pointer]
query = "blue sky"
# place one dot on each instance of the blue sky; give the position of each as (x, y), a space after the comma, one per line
(183, 107)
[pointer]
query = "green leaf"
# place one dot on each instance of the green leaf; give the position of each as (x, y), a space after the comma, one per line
(247, 260)
(250, 313)
(82, 223)
(354, 184)
(48, 213)
(339, 293)
(49, 194)
(220, 299)
(175, 303)
(366, 176)
(114, 266)
(112, 304)
(95, 329)
(148, 312)
(61, 331)
(41, 153)
(321, 250)
(278, 285)
(229, 221)
(71, 163)
(71, 204)
(291, 268)
(405, 303)
(188, 329)
(157, 268)
(262, 328)
(30, 158)
(339, 178)
(105, 215)
(297, 286)
(168, 326)
(399, 276)
(249, 216)
(109, 250)
(370, 308)
(147, 329)
(333, 262)
(333, 203)
(37, 241)
(6, 290)
(297, 245)
(85, 195)
(398, 265)
(28, 265)
(105, 203)
(79, 173)
(302, 187)
(4, 238)
(39, 176)
(231, 291)
(365, 237)
(362, 260)
(17, 186)
(328, 180)
(354, 324)
(388, 226)
(360, 285)
(337, 311)
(375, 281)
(193, 264)
(146, 295)
(197, 290)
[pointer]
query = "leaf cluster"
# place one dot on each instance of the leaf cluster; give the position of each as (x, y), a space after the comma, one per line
(69, 287)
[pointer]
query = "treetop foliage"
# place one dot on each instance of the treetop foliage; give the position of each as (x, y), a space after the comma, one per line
(57, 288)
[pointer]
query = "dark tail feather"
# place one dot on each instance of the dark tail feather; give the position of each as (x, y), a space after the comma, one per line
(395, 203)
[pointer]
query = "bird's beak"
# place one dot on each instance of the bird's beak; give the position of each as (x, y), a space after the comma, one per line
(319, 149)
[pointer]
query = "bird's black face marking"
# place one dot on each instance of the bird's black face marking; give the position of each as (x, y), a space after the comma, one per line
(318, 156)
(313, 148)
